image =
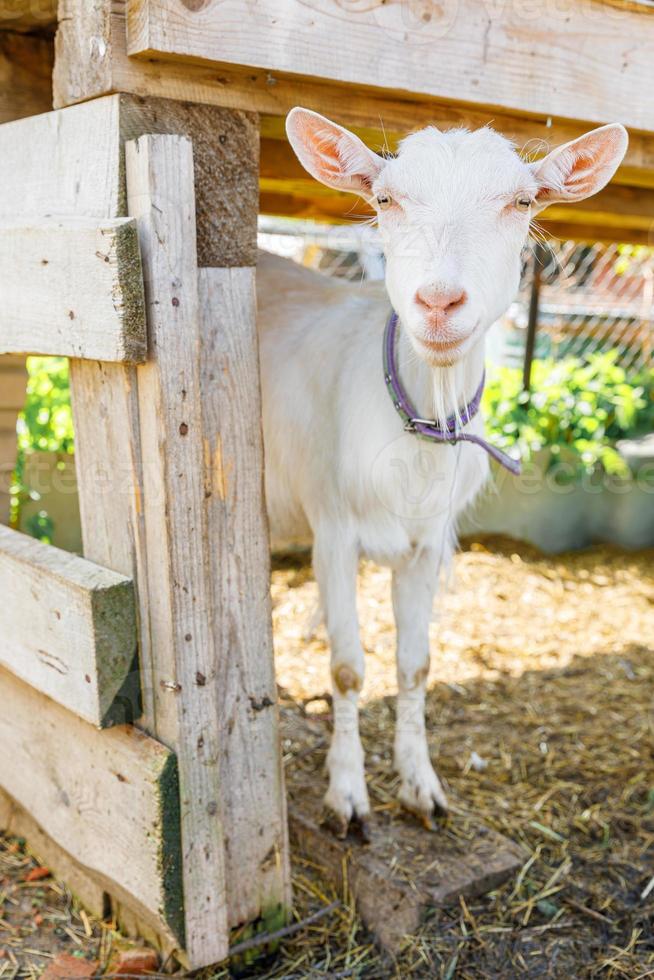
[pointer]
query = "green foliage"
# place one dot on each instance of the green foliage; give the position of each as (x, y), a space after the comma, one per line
(577, 409)
(44, 425)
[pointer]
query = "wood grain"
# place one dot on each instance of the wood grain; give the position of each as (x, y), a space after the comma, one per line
(85, 296)
(563, 63)
(253, 799)
(70, 628)
(160, 185)
(108, 798)
(79, 169)
(403, 872)
(103, 898)
(370, 112)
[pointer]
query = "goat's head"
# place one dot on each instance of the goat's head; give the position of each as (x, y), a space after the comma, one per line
(454, 210)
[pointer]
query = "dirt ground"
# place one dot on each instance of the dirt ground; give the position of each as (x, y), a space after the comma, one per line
(540, 719)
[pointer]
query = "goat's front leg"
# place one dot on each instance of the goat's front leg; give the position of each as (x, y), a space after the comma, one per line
(335, 561)
(414, 585)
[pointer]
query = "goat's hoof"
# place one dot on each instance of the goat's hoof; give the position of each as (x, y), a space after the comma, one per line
(426, 819)
(336, 823)
(340, 825)
(425, 800)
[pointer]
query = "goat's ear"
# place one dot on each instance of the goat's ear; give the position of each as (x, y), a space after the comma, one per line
(580, 168)
(331, 154)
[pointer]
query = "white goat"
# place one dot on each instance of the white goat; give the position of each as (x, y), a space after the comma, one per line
(454, 211)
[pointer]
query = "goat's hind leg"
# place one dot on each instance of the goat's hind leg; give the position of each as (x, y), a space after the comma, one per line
(335, 562)
(414, 585)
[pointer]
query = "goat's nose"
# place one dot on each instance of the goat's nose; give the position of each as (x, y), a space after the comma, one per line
(441, 300)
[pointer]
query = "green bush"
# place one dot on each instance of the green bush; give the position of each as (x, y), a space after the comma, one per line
(44, 425)
(577, 409)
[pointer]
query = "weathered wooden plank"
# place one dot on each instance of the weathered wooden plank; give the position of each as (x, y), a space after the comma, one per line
(253, 799)
(108, 798)
(79, 169)
(105, 899)
(186, 704)
(26, 64)
(14, 819)
(403, 872)
(85, 295)
(99, 28)
(76, 171)
(570, 66)
(27, 15)
(69, 625)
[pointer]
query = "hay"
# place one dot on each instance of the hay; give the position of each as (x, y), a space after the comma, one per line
(540, 713)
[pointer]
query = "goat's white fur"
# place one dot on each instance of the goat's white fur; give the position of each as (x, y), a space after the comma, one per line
(339, 466)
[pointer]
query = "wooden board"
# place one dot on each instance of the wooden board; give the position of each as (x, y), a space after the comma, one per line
(108, 798)
(566, 66)
(79, 169)
(68, 626)
(405, 870)
(26, 64)
(184, 684)
(100, 29)
(28, 15)
(85, 296)
(105, 899)
(253, 800)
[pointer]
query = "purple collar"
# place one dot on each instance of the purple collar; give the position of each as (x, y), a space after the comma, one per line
(432, 429)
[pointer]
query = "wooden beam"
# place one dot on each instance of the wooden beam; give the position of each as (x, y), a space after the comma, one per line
(69, 628)
(566, 66)
(26, 64)
(85, 296)
(109, 798)
(608, 234)
(100, 28)
(28, 15)
(283, 177)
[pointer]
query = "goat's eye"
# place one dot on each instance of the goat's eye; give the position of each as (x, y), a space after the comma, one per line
(523, 202)
(384, 202)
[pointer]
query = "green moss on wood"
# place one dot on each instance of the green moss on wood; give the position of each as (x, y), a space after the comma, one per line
(131, 295)
(170, 849)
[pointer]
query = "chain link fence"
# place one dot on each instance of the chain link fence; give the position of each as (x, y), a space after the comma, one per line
(593, 297)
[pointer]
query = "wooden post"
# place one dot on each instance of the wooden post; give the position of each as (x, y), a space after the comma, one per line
(13, 378)
(226, 708)
(540, 257)
(184, 674)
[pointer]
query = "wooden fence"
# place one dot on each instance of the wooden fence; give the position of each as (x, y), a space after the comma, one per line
(139, 727)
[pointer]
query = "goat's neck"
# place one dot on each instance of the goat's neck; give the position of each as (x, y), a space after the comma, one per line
(440, 392)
